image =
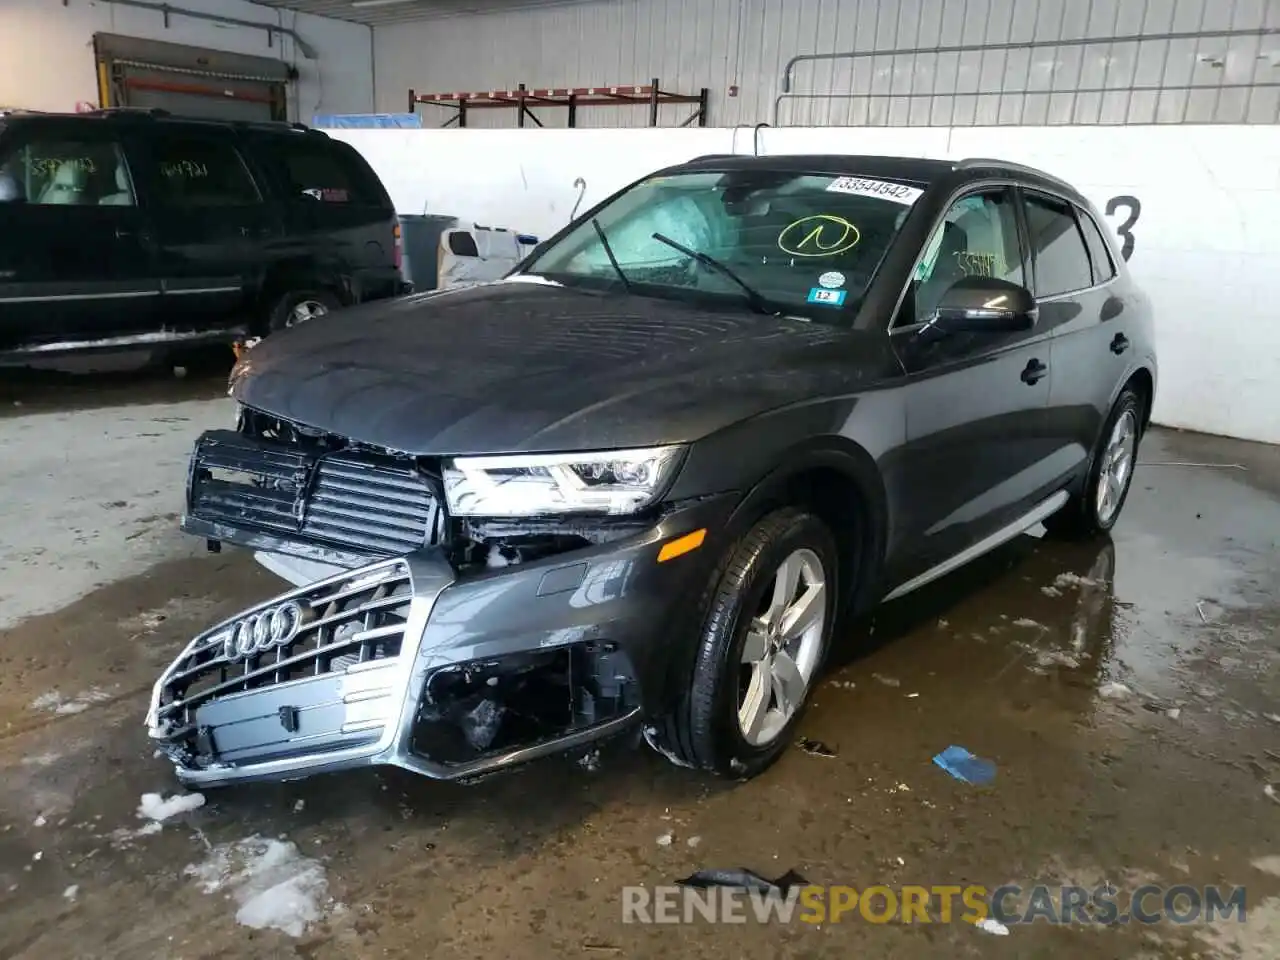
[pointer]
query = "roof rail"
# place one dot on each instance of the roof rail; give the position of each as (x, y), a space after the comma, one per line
(968, 163)
(720, 156)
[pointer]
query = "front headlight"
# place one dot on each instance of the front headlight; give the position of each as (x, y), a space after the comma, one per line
(608, 482)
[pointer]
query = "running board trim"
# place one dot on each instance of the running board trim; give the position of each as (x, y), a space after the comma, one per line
(985, 545)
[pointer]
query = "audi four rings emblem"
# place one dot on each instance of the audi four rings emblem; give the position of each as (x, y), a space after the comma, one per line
(263, 631)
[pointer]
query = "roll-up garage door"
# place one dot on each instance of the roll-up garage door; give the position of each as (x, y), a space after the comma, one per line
(190, 81)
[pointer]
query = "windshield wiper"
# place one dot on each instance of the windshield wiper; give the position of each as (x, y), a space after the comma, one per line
(608, 250)
(758, 303)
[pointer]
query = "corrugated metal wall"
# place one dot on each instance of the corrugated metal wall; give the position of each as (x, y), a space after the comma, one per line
(1201, 75)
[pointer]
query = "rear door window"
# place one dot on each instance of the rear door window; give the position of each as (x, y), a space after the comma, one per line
(192, 171)
(1058, 247)
(315, 170)
(66, 171)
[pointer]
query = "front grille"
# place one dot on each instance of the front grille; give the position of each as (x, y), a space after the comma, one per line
(344, 623)
(377, 505)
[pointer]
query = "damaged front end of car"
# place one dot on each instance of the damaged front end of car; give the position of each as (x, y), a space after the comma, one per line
(351, 671)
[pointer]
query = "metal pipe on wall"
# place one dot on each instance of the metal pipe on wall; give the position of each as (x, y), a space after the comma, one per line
(167, 10)
(789, 70)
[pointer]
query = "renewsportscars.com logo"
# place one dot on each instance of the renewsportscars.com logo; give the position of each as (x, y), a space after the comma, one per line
(998, 907)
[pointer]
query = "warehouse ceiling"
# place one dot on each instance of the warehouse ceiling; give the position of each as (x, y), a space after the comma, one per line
(378, 12)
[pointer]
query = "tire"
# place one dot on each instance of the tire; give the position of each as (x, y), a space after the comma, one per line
(289, 309)
(713, 729)
(1086, 515)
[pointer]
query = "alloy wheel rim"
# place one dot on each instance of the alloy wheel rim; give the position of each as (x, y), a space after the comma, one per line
(306, 310)
(783, 643)
(1117, 466)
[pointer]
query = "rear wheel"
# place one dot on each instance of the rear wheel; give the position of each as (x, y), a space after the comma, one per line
(299, 306)
(764, 638)
(1095, 510)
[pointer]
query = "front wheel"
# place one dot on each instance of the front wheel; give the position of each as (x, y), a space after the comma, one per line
(1095, 510)
(299, 306)
(764, 638)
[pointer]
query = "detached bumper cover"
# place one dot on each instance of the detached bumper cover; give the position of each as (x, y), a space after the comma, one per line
(402, 663)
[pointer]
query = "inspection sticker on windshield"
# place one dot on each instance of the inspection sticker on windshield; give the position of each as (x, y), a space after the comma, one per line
(831, 279)
(884, 189)
(830, 298)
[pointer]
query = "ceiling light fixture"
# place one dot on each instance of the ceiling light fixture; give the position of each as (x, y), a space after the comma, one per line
(377, 3)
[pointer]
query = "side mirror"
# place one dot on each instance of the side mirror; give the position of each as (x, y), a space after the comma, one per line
(986, 304)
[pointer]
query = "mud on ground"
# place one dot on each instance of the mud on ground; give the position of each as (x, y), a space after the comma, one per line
(1127, 691)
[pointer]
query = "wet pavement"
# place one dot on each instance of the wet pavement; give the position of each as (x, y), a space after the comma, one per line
(1128, 693)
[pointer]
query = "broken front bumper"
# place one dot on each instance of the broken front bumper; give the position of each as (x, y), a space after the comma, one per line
(403, 663)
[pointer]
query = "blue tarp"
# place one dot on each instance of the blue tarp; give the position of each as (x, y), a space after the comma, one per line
(366, 120)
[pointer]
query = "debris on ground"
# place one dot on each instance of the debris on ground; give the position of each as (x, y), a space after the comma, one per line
(993, 926)
(39, 821)
(887, 681)
(275, 887)
(156, 807)
(815, 747)
(1269, 791)
(963, 765)
(1114, 691)
(1051, 591)
(665, 839)
(693, 841)
(71, 891)
(651, 738)
(590, 761)
(299, 806)
(1273, 717)
(1173, 713)
(743, 879)
(1029, 624)
(843, 684)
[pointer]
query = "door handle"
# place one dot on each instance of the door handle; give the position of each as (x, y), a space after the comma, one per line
(1034, 372)
(1119, 344)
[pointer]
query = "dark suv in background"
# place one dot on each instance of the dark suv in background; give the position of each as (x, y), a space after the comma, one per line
(127, 228)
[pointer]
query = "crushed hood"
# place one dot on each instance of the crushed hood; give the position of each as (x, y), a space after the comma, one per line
(515, 367)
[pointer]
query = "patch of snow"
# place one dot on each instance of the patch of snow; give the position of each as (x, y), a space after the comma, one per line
(299, 806)
(1269, 865)
(1273, 717)
(665, 839)
(1173, 713)
(1073, 580)
(887, 681)
(693, 841)
(1030, 624)
(495, 560)
(1270, 793)
(53, 701)
(1051, 591)
(41, 760)
(71, 891)
(1113, 691)
(156, 807)
(844, 684)
(991, 925)
(38, 855)
(274, 886)
(39, 821)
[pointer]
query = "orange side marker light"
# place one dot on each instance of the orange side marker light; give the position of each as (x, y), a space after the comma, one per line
(682, 545)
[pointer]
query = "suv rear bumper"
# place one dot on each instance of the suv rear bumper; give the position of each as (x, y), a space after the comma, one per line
(494, 669)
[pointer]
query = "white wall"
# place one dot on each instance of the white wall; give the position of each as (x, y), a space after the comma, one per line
(1207, 241)
(46, 52)
(691, 44)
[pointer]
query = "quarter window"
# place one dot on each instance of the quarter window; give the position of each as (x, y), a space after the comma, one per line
(1104, 267)
(198, 172)
(1058, 248)
(978, 237)
(314, 171)
(67, 173)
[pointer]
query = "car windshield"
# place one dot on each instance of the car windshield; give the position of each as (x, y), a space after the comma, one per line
(780, 242)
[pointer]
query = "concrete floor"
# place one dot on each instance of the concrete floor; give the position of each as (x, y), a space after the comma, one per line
(1163, 781)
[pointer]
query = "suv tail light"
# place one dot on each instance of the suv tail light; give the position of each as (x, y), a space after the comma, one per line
(398, 245)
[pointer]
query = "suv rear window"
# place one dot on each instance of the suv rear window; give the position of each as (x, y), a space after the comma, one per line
(318, 170)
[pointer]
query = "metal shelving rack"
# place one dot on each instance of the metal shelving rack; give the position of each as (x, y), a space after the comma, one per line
(522, 99)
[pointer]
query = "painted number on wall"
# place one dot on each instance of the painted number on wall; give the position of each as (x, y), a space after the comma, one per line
(1133, 206)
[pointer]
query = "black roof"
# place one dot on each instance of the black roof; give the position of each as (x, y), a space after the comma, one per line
(914, 169)
(133, 115)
